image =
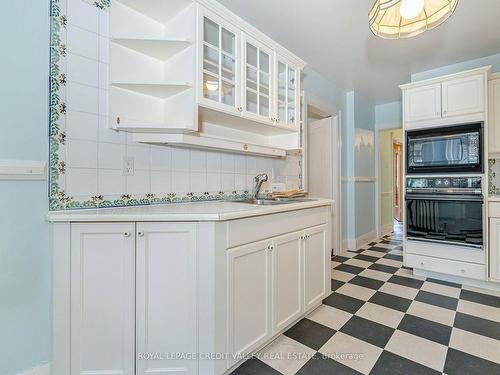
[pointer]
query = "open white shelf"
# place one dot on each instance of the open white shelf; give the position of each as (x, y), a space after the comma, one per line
(161, 49)
(159, 10)
(197, 140)
(156, 89)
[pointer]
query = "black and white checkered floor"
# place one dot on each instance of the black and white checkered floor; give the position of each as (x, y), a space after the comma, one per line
(381, 319)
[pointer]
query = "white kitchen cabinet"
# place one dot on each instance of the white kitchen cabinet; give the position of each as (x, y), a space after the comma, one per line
(258, 77)
(494, 115)
(287, 93)
(422, 103)
(495, 249)
(316, 265)
(463, 96)
(249, 297)
(287, 279)
(166, 311)
(219, 77)
(102, 299)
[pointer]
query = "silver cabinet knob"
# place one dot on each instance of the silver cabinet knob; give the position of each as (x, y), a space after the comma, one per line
(126, 234)
(140, 233)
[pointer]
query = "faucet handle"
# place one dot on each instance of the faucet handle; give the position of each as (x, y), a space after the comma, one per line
(261, 177)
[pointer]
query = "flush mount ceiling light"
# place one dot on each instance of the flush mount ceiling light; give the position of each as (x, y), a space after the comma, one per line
(394, 19)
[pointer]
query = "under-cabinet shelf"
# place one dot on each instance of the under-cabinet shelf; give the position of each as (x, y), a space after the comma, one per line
(156, 89)
(159, 10)
(160, 49)
(198, 140)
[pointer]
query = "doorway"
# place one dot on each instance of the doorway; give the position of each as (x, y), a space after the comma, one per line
(390, 200)
(322, 160)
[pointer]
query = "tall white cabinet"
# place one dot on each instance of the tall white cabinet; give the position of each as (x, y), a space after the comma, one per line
(494, 115)
(130, 296)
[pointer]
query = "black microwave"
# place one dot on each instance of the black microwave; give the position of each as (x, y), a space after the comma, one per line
(451, 149)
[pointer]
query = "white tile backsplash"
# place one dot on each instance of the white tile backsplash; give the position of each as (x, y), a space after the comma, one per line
(93, 153)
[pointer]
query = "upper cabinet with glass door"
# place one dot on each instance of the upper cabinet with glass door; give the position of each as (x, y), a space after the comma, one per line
(258, 81)
(287, 93)
(219, 77)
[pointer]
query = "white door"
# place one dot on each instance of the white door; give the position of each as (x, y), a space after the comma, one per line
(166, 298)
(323, 168)
(102, 299)
(422, 103)
(495, 249)
(257, 80)
(463, 96)
(316, 266)
(249, 298)
(494, 120)
(219, 66)
(287, 279)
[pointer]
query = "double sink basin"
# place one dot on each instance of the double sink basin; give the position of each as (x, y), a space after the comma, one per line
(274, 201)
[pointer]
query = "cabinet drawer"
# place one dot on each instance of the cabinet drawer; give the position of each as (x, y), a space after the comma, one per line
(240, 232)
(494, 209)
(451, 267)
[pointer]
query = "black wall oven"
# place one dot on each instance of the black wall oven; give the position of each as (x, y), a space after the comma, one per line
(445, 210)
(452, 149)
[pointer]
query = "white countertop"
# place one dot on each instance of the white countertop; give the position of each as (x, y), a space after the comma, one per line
(192, 211)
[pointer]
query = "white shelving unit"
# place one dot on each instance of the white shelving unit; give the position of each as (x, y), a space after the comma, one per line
(177, 77)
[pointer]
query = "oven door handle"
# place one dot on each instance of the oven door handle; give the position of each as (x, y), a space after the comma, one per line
(446, 197)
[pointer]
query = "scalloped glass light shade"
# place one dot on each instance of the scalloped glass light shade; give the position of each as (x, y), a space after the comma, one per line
(386, 20)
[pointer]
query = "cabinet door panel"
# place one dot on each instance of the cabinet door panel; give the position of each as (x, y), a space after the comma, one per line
(102, 299)
(166, 297)
(316, 264)
(287, 93)
(494, 119)
(422, 103)
(287, 280)
(495, 249)
(249, 298)
(463, 96)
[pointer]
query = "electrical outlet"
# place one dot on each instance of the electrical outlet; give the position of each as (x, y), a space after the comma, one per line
(128, 166)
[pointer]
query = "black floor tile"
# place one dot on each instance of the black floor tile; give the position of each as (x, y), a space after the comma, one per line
(399, 258)
(340, 259)
(477, 325)
(372, 243)
(437, 300)
(383, 268)
(379, 249)
(336, 284)
(427, 329)
(311, 334)
(349, 268)
(343, 302)
(392, 364)
(366, 282)
(398, 248)
(460, 363)
(322, 365)
(485, 299)
(442, 282)
(391, 301)
(366, 258)
(254, 366)
(406, 281)
(368, 331)
(391, 242)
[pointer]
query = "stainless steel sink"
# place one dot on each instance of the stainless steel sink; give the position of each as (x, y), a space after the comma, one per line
(274, 201)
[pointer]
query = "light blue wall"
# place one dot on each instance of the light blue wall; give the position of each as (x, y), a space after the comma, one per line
(388, 116)
(493, 60)
(24, 249)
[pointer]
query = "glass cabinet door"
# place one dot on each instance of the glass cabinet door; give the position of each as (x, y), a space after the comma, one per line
(258, 67)
(286, 106)
(219, 63)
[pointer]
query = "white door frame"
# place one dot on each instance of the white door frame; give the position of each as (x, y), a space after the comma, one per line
(326, 109)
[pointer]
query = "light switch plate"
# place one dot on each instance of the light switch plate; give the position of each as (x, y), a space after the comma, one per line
(128, 166)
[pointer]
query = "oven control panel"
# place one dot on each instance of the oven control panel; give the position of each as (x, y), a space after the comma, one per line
(444, 183)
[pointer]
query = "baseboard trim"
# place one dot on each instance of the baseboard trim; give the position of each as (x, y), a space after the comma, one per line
(482, 284)
(42, 369)
(353, 244)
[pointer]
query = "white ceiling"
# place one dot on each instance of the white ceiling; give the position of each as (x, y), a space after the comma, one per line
(333, 37)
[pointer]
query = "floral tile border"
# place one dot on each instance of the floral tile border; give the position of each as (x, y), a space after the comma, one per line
(58, 199)
(492, 188)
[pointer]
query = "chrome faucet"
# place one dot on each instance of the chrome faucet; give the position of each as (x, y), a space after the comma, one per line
(257, 184)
